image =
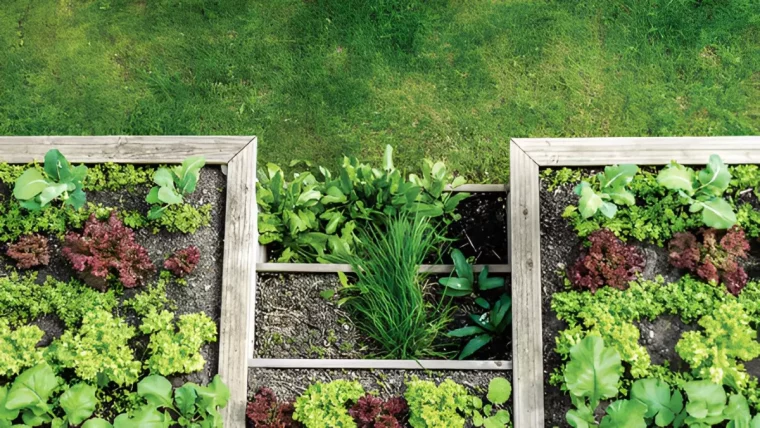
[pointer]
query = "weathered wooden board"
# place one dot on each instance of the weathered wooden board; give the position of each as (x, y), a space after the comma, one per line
(639, 150)
(332, 268)
(378, 364)
(123, 149)
(238, 281)
(527, 350)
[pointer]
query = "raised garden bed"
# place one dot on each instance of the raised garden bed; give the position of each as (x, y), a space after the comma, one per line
(670, 322)
(65, 299)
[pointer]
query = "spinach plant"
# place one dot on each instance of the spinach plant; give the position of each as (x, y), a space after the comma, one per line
(613, 191)
(29, 398)
(173, 184)
(487, 326)
(499, 391)
(703, 190)
(464, 283)
(35, 189)
(316, 213)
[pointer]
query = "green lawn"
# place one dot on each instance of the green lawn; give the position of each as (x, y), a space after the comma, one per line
(315, 79)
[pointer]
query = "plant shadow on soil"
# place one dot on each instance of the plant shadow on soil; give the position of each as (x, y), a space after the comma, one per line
(204, 285)
(560, 246)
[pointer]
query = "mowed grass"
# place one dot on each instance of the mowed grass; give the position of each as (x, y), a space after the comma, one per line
(316, 79)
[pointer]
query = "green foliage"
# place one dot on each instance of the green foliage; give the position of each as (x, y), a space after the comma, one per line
(104, 340)
(487, 326)
(727, 337)
(703, 190)
(499, 390)
(326, 404)
(432, 406)
(706, 403)
(18, 348)
(625, 414)
(35, 189)
(593, 371)
(152, 298)
(464, 283)
(114, 177)
(177, 349)
(173, 185)
(612, 191)
(388, 299)
(310, 217)
(560, 177)
(660, 404)
(183, 218)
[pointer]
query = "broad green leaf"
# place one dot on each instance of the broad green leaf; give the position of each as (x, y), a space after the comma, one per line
(453, 201)
(483, 303)
(169, 196)
(706, 402)
(718, 213)
(490, 283)
(593, 370)
(335, 221)
(621, 196)
(52, 192)
(737, 412)
(34, 417)
(77, 198)
(146, 417)
(327, 294)
(715, 178)
(97, 423)
(388, 158)
(677, 177)
(156, 390)
(191, 166)
(456, 284)
(5, 413)
(462, 268)
(187, 184)
(156, 212)
(32, 387)
(625, 414)
(163, 177)
(500, 420)
(30, 184)
(458, 181)
(499, 390)
(53, 160)
(216, 394)
(79, 403)
(152, 197)
(617, 176)
(655, 394)
(474, 344)
(465, 331)
(333, 195)
(580, 417)
(78, 173)
(185, 397)
(426, 210)
(608, 209)
(31, 205)
(308, 198)
(590, 201)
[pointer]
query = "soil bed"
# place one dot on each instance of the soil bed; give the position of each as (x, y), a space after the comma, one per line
(559, 248)
(294, 321)
(289, 384)
(203, 290)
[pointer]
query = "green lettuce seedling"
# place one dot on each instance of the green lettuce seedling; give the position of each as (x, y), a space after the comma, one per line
(613, 191)
(172, 185)
(702, 190)
(464, 283)
(35, 189)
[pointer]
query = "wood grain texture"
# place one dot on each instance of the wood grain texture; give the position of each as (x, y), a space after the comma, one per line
(123, 149)
(527, 348)
(378, 364)
(639, 150)
(332, 268)
(238, 281)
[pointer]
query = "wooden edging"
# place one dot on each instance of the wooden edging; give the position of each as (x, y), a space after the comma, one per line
(239, 153)
(277, 363)
(332, 268)
(480, 188)
(526, 156)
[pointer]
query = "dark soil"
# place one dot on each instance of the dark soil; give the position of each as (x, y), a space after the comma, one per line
(204, 285)
(289, 384)
(482, 233)
(294, 321)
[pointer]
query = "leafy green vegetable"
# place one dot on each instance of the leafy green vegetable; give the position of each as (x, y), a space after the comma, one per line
(706, 403)
(35, 189)
(655, 395)
(172, 185)
(593, 371)
(487, 326)
(613, 191)
(464, 283)
(499, 390)
(625, 414)
(79, 403)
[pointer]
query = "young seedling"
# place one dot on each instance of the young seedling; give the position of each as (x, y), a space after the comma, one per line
(172, 185)
(35, 189)
(703, 190)
(464, 283)
(487, 326)
(613, 191)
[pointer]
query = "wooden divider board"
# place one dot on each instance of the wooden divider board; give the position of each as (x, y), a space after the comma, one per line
(240, 246)
(526, 156)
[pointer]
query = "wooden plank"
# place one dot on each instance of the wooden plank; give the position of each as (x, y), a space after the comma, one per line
(639, 150)
(378, 364)
(527, 348)
(332, 268)
(238, 281)
(123, 149)
(479, 188)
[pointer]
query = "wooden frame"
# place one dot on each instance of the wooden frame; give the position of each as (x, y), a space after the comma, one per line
(240, 235)
(306, 363)
(527, 155)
